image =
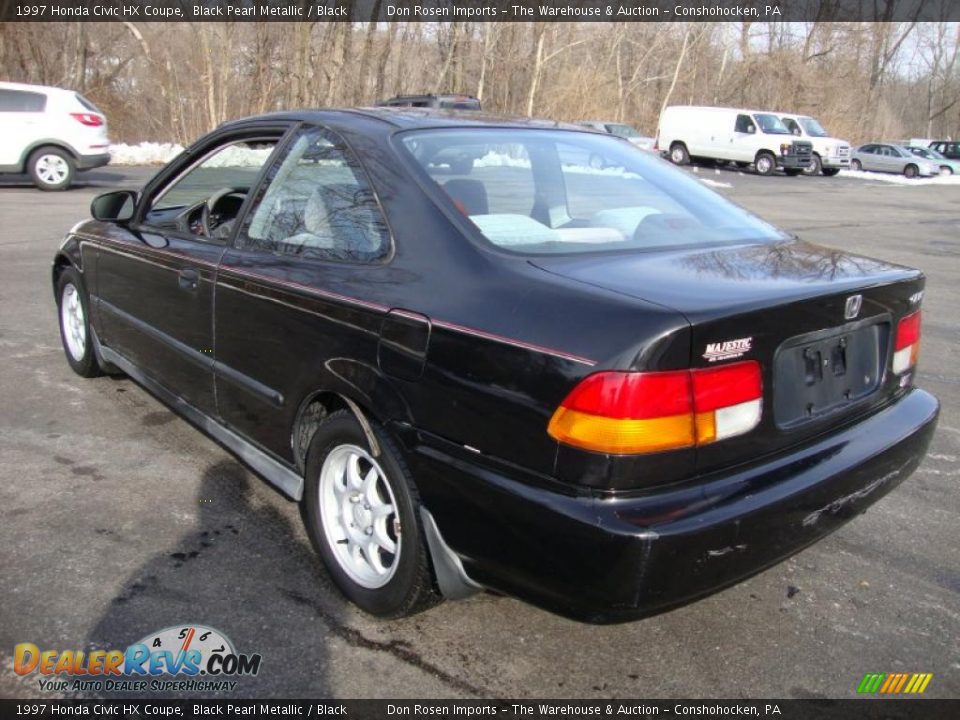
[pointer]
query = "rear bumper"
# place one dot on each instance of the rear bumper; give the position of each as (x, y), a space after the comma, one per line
(613, 560)
(88, 162)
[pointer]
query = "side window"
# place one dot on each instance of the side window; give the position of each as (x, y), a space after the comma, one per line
(205, 199)
(744, 123)
(317, 203)
(20, 101)
(869, 149)
(792, 126)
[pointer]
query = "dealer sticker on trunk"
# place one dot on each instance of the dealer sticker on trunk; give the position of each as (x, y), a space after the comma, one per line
(728, 349)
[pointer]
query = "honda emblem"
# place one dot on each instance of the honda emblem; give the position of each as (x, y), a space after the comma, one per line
(852, 308)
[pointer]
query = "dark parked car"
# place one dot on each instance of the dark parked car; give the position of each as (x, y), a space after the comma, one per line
(950, 149)
(436, 102)
(606, 391)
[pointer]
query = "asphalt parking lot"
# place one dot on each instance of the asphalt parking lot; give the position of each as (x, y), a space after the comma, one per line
(118, 519)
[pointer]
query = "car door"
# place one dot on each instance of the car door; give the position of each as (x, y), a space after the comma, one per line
(155, 278)
(743, 141)
(21, 118)
(290, 311)
(868, 156)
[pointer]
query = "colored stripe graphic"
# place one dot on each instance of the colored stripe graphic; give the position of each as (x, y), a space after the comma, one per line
(894, 683)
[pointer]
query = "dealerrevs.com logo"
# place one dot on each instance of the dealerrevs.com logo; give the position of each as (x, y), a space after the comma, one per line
(183, 658)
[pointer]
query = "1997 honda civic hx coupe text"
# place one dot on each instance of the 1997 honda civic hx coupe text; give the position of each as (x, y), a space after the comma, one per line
(477, 360)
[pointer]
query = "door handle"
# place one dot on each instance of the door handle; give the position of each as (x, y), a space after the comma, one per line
(189, 279)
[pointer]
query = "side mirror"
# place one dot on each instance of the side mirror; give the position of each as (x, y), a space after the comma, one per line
(751, 129)
(115, 206)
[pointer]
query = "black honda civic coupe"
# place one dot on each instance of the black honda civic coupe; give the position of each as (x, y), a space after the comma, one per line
(505, 355)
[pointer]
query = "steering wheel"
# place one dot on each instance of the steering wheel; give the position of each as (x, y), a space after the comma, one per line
(208, 208)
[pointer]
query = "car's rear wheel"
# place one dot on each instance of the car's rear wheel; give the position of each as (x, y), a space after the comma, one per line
(765, 163)
(679, 154)
(814, 167)
(855, 165)
(51, 168)
(75, 324)
(911, 171)
(361, 513)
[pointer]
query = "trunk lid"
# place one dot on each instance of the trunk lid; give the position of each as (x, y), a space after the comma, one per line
(787, 305)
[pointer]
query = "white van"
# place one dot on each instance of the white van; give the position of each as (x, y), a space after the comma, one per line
(50, 133)
(830, 155)
(742, 136)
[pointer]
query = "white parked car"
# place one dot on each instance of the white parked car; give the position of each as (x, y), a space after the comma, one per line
(50, 134)
(830, 154)
(735, 135)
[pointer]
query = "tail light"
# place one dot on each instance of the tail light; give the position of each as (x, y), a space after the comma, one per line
(906, 348)
(88, 119)
(633, 413)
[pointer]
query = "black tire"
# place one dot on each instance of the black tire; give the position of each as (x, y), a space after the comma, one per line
(815, 166)
(51, 168)
(911, 171)
(765, 163)
(856, 166)
(410, 589)
(830, 172)
(70, 289)
(793, 172)
(679, 154)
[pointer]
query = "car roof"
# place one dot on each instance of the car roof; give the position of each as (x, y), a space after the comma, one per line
(408, 118)
(34, 88)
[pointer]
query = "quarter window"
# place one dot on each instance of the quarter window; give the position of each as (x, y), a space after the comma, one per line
(317, 204)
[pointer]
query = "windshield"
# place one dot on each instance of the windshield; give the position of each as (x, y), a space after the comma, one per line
(812, 128)
(621, 130)
(771, 124)
(558, 192)
(926, 153)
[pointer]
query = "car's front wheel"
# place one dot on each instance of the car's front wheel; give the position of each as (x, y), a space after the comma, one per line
(911, 171)
(51, 168)
(765, 163)
(75, 324)
(856, 166)
(361, 513)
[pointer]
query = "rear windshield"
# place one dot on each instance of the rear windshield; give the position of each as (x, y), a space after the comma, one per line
(559, 192)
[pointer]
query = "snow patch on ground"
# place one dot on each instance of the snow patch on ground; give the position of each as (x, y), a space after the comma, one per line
(899, 179)
(146, 153)
(715, 183)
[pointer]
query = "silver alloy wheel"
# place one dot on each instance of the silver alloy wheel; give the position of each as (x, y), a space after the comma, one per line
(72, 321)
(764, 164)
(359, 516)
(52, 169)
(677, 155)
